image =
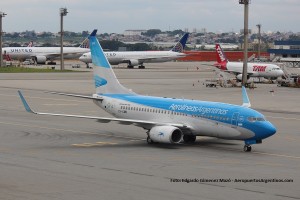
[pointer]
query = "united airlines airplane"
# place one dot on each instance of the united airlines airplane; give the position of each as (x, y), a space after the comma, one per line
(169, 120)
(133, 58)
(269, 71)
(42, 54)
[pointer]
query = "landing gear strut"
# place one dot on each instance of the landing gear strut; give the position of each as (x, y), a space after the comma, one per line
(247, 148)
(149, 141)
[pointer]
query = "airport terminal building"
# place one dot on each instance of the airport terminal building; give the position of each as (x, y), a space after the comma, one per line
(285, 49)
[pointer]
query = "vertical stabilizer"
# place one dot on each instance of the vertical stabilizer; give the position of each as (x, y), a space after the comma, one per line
(30, 44)
(221, 58)
(85, 44)
(246, 101)
(180, 45)
(105, 79)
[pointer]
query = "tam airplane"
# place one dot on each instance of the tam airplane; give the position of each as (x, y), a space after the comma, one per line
(168, 120)
(269, 71)
(134, 58)
(42, 54)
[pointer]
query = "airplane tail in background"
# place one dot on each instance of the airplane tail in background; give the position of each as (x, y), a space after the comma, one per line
(105, 79)
(30, 44)
(221, 58)
(85, 44)
(180, 45)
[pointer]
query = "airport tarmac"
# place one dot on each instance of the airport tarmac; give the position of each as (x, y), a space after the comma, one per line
(46, 157)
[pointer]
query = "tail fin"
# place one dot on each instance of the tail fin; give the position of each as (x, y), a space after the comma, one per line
(180, 45)
(85, 44)
(221, 58)
(30, 44)
(105, 79)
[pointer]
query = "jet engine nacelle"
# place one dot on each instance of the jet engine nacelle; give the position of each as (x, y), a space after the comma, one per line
(40, 59)
(166, 134)
(249, 79)
(240, 77)
(133, 62)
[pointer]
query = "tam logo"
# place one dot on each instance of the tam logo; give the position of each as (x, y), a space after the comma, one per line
(258, 68)
(221, 55)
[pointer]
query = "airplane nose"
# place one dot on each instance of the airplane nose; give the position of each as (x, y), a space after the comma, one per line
(270, 129)
(281, 73)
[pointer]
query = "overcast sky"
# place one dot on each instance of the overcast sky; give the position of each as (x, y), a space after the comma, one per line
(118, 15)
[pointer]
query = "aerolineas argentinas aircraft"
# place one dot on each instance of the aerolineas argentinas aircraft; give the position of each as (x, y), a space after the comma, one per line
(133, 58)
(169, 120)
(269, 71)
(42, 54)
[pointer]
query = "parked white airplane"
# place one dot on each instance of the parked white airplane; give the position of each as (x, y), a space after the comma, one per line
(269, 71)
(42, 54)
(134, 58)
(169, 120)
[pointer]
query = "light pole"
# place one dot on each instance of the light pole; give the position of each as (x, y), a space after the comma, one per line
(259, 39)
(63, 12)
(246, 32)
(2, 14)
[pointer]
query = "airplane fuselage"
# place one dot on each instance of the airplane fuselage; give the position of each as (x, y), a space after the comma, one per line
(206, 118)
(139, 57)
(22, 53)
(255, 69)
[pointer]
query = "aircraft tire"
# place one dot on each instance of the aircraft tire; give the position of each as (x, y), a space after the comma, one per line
(247, 148)
(130, 66)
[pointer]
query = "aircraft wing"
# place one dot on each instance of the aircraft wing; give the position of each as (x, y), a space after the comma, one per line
(77, 95)
(103, 119)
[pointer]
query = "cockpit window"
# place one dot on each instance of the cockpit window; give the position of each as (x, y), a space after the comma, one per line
(256, 119)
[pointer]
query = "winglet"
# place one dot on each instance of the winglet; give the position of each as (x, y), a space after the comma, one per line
(28, 109)
(246, 101)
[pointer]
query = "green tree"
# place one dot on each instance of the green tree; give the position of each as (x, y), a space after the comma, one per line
(139, 47)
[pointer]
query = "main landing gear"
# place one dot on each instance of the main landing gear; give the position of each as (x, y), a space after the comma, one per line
(130, 66)
(247, 148)
(149, 141)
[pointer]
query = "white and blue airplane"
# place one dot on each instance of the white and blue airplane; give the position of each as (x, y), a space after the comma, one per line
(169, 120)
(133, 58)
